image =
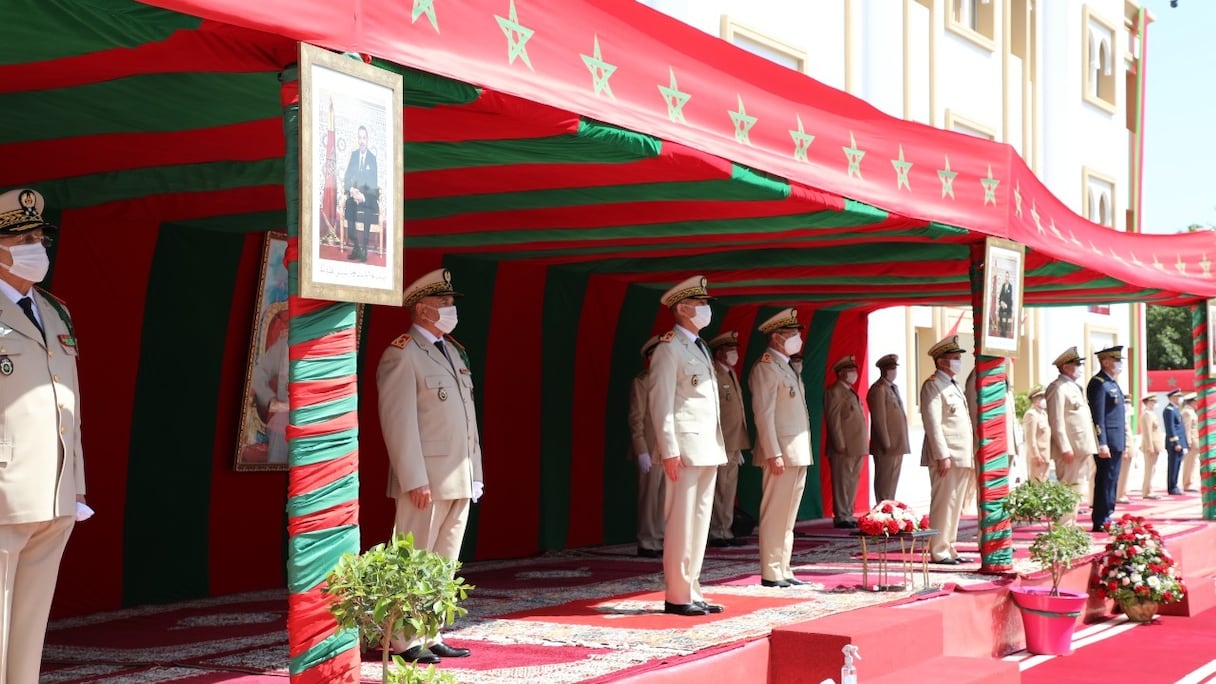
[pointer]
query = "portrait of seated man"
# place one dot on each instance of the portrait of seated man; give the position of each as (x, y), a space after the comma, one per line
(362, 187)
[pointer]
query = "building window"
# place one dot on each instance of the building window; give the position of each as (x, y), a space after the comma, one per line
(974, 20)
(1098, 193)
(764, 45)
(962, 124)
(1099, 61)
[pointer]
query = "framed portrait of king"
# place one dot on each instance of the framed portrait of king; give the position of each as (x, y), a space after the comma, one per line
(352, 184)
(1003, 280)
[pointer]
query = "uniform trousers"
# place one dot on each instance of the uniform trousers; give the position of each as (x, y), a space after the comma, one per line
(1190, 465)
(688, 505)
(651, 491)
(1124, 472)
(886, 476)
(1106, 482)
(438, 528)
(782, 494)
(846, 471)
(947, 496)
(1085, 480)
(1173, 467)
(30, 554)
(1036, 471)
(1070, 474)
(1150, 463)
(724, 502)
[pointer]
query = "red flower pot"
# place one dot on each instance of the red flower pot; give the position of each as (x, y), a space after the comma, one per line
(1049, 621)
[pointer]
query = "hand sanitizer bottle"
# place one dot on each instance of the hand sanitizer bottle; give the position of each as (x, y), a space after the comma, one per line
(848, 673)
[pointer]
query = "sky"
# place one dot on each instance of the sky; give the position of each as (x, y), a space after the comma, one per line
(1180, 118)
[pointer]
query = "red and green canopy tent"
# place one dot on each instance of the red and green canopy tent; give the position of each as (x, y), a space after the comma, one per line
(567, 161)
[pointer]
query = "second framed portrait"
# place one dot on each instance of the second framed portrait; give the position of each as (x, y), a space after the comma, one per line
(1002, 315)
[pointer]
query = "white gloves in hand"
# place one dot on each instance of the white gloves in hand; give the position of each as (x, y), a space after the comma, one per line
(738, 458)
(644, 463)
(83, 512)
(478, 490)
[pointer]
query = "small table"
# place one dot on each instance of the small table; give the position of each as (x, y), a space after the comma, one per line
(907, 549)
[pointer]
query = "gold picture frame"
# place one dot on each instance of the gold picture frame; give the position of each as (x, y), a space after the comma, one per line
(261, 442)
(1004, 277)
(352, 181)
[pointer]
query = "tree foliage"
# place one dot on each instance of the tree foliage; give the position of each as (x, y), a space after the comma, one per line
(1169, 337)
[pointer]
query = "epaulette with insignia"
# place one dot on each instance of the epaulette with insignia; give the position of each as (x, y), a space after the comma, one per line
(668, 336)
(401, 341)
(464, 353)
(454, 341)
(766, 358)
(60, 308)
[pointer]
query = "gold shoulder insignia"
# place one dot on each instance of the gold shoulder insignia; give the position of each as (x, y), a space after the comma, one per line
(668, 336)
(766, 358)
(454, 341)
(401, 341)
(48, 295)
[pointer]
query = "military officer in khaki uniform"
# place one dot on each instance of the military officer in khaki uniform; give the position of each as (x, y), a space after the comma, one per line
(650, 479)
(683, 403)
(783, 444)
(1190, 423)
(1073, 440)
(430, 429)
(41, 459)
(888, 428)
(1129, 454)
(847, 439)
(1152, 443)
(948, 448)
(725, 348)
(1036, 434)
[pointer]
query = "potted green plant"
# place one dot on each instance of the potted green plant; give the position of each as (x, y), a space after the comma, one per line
(1049, 616)
(393, 589)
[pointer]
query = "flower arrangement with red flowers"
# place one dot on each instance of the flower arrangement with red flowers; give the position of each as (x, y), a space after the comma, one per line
(890, 518)
(1136, 566)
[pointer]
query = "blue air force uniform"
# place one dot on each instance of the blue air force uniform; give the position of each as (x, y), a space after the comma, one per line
(1106, 404)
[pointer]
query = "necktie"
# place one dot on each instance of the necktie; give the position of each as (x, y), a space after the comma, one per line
(361, 158)
(27, 305)
(444, 350)
(701, 346)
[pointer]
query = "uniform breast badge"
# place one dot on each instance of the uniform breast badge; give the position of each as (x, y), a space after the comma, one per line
(793, 393)
(443, 394)
(695, 381)
(6, 365)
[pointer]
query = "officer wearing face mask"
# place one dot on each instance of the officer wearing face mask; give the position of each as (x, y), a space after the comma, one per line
(650, 479)
(1071, 423)
(783, 444)
(948, 450)
(684, 409)
(888, 428)
(1106, 405)
(847, 439)
(725, 348)
(1176, 444)
(41, 460)
(430, 429)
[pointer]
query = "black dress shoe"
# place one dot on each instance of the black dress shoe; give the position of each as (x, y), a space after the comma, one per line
(444, 651)
(719, 543)
(686, 609)
(649, 553)
(420, 654)
(354, 255)
(794, 581)
(708, 607)
(735, 541)
(845, 524)
(774, 583)
(1176, 492)
(945, 561)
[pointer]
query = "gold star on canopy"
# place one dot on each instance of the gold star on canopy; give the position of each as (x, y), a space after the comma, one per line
(426, 7)
(1206, 265)
(674, 98)
(1073, 237)
(990, 184)
(1136, 260)
(1017, 200)
(1180, 265)
(1056, 231)
(1115, 255)
(1094, 248)
(743, 123)
(854, 156)
(517, 35)
(1034, 215)
(600, 70)
(1158, 265)
(946, 176)
(802, 141)
(902, 167)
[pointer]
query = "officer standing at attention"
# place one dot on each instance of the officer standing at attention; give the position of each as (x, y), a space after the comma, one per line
(1190, 421)
(948, 448)
(683, 404)
(888, 428)
(1071, 423)
(1106, 405)
(847, 439)
(430, 429)
(1175, 440)
(650, 479)
(725, 348)
(41, 459)
(1152, 443)
(1036, 434)
(783, 444)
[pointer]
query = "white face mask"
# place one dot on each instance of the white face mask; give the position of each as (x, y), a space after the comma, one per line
(1076, 373)
(793, 345)
(956, 365)
(850, 377)
(30, 262)
(732, 357)
(890, 375)
(703, 315)
(1118, 369)
(447, 319)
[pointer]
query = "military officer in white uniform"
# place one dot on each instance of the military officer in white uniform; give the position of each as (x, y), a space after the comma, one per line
(848, 439)
(783, 444)
(650, 478)
(41, 459)
(1152, 443)
(1036, 433)
(684, 410)
(725, 348)
(1073, 441)
(947, 450)
(430, 429)
(888, 428)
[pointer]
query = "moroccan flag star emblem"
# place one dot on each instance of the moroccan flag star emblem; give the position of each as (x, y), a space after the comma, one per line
(990, 184)
(674, 98)
(1017, 199)
(743, 123)
(802, 141)
(426, 7)
(902, 167)
(946, 176)
(854, 155)
(517, 35)
(600, 70)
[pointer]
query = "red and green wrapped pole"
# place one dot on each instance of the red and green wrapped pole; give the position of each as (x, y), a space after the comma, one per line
(323, 447)
(1205, 387)
(992, 454)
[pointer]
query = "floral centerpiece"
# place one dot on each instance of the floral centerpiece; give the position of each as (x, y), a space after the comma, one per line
(1136, 570)
(890, 518)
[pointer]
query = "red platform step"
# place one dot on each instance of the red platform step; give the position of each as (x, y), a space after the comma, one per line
(951, 669)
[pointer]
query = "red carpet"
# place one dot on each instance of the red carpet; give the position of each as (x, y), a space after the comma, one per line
(645, 611)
